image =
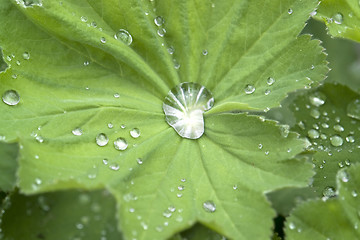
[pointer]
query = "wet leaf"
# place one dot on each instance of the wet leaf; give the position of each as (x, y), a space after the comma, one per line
(341, 17)
(84, 92)
(335, 218)
(327, 117)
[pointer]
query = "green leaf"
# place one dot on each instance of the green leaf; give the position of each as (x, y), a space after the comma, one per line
(334, 218)
(342, 56)
(200, 232)
(60, 215)
(216, 177)
(331, 128)
(8, 166)
(76, 81)
(341, 17)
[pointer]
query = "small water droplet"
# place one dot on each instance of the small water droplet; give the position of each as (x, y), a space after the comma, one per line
(329, 192)
(139, 161)
(171, 50)
(315, 113)
(290, 11)
(101, 139)
(83, 19)
(336, 141)
(77, 131)
(313, 134)
(301, 125)
(209, 206)
(184, 107)
(105, 161)
(11, 97)
(353, 109)
(159, 21)
(114, 166)
(338, 18)
(110, 125)
(30, 3)
(350, 139)
(292, 226)
(116, 95)
(161, 32)
(124, 36)
(338, 128)
(344, 177)
(317, 99)
(26, 56)
(325, 125)
(135, 133)
(93, 24)
(205, 52)
(354, 193)
(103, 40)
(249, 89)
(120, 144)
(260, 146)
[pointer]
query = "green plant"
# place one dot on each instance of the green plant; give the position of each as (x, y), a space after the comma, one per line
(92, 93)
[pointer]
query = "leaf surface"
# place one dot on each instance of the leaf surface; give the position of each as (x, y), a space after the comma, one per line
(8, 166)
(335, 218)
(76, 81)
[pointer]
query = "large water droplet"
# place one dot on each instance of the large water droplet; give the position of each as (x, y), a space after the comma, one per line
(336, 141)
(184, 107)
(120, 144)
(353, 109)
(317, 99)
(11, 97)
(209, 206)
(102, 139)
(124, 36)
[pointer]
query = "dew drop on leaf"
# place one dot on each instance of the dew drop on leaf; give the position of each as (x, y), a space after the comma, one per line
(124, 36)
(329, 192)
(103, 40)
(249, 89)
(26, 56)
(120, 144)
(161, 32)
(336, 141)
(11, 97)
(338, 128)
(315, 113)
(290, 11)
(317, 99)
(159, 21)
(184, 107)
(205, 52)
(101, 139)
(77, 131)
(350, 139)
(353, 109)
(116, 95)
(139, 161)
(29, 3)
(313, 134)
(344, 177)
(209, 206)
(338, 18)
(135, 133)
(83, 19)
(114, 166)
